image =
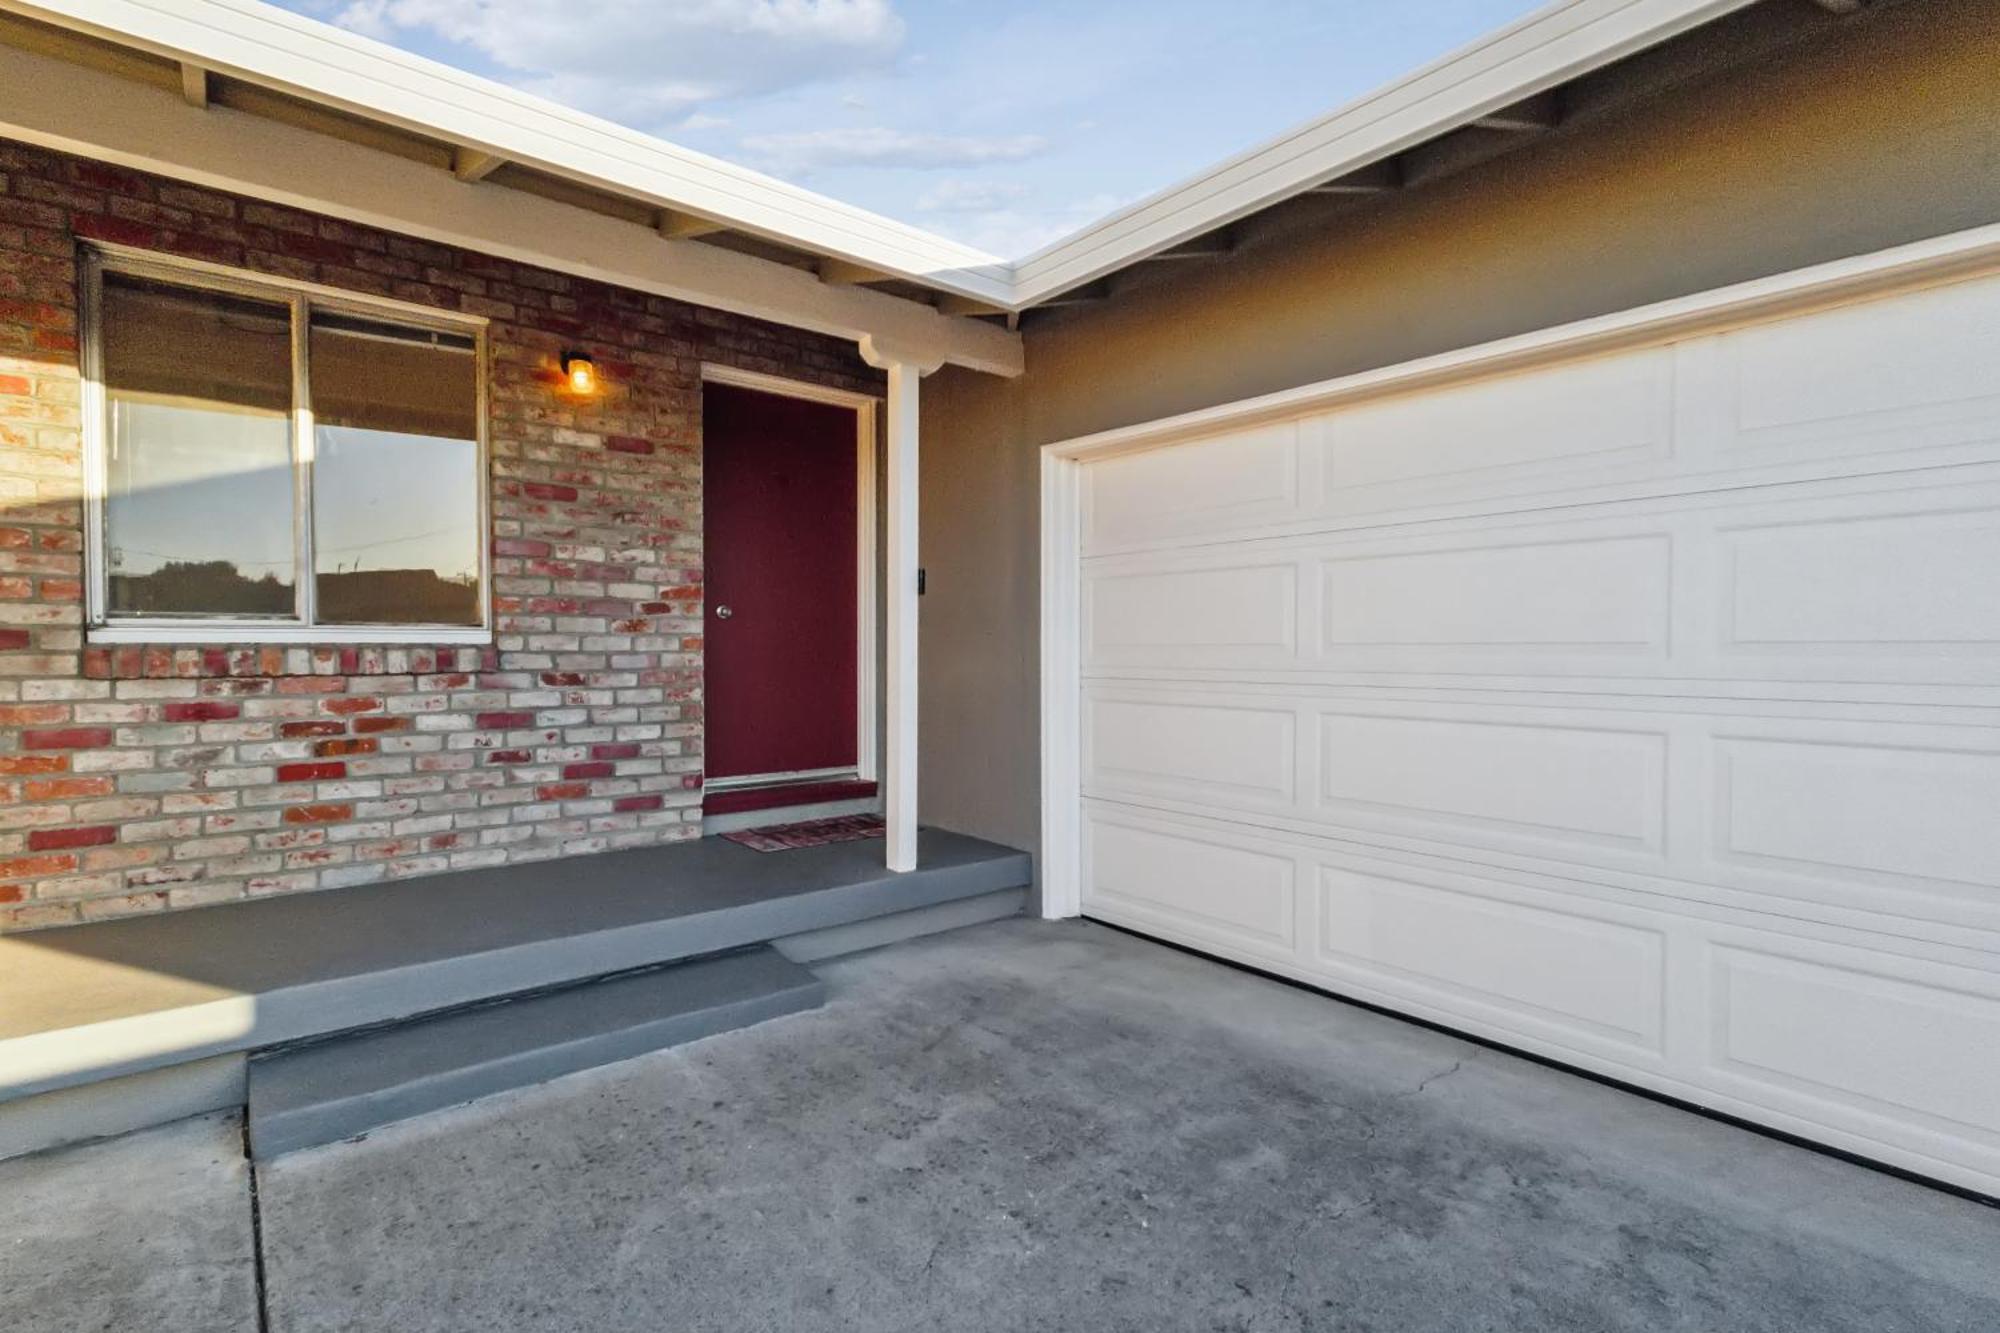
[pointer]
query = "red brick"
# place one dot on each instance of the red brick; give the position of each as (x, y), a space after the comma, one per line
(67, 789)
(311, 772)
(563, 791)
(542, 490)
(615, 750)
(13, 638)
(628, 444)
(628, 803)
(353, 704)
(372, 724)
(302, 684)
(201, 710)
(592, 770)
(347, 745)
(67, 738)
(503, 721)
(520, 546)
(33, 867)
(19, 765)
(318, 814)
(60, 839)
(321, 727)
(511, 757)
(30, 715)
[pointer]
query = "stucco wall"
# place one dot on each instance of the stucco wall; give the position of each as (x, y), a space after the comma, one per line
(1881, 130)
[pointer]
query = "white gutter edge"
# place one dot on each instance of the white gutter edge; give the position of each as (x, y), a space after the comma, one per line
(261, 44)
(1551, 46)
(100, 115)
(258, 43)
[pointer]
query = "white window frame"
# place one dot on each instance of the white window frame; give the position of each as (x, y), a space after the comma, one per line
(301, 298)
(867, 690)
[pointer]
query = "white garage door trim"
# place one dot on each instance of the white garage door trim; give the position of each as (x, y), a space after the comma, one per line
(1738, 952)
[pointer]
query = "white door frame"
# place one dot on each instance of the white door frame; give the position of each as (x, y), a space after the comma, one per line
(1933, 262)
(867, 718)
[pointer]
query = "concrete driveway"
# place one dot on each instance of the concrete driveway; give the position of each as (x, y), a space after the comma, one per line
(1017, 1126)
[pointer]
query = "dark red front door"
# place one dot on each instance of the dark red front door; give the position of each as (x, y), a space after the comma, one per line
(778, 498)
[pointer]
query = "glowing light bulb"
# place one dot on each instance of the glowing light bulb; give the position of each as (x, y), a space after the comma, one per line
(580, 371)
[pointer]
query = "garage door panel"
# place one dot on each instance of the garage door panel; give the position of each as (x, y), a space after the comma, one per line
(1834, 1033)
(1598, 419)
(1812, 584)
(1549, 788)
(1909, 584)
(1235, 754)
(1642, 710)
(1904, 373)
(1840, 811)
(1914, 819)
(1216, 485)
(1212, 885)
(1237, 615)
(1581, 975)
(1462, 606)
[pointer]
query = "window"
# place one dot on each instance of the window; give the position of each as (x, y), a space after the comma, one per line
(277, 463)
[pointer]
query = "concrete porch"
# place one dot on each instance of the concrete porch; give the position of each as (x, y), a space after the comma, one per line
(1017, 1125)
(115, 1026)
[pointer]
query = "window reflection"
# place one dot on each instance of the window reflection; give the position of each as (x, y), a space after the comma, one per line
(396, 485)
(198, 498)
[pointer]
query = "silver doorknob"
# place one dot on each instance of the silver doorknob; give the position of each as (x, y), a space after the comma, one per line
(723, 613)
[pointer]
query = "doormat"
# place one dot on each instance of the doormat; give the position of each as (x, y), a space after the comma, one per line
(812, 833)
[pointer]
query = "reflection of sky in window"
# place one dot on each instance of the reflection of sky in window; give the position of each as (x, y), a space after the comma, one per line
(201, 484)
(390, 500)
(217, 485)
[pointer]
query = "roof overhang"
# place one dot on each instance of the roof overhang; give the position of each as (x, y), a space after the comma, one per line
(1550, 47)
(486, 126)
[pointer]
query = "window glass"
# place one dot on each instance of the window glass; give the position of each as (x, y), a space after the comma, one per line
(396, 536)
(198, 496)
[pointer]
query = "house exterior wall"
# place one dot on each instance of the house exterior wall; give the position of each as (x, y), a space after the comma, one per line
(136, 779)
(1883, 130)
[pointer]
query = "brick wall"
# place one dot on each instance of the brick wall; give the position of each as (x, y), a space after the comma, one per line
(143, 779)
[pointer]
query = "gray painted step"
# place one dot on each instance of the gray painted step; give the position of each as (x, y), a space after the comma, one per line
(82, 1004)
(346, 1086)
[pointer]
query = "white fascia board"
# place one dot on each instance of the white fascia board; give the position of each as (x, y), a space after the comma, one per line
(99, 115)
(258, 43)
(261, 44)
(1549, 47)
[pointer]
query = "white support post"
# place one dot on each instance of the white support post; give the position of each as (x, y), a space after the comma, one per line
(899, 768)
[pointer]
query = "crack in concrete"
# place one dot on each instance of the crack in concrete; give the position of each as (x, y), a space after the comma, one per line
(1439, 1077)
(258, 1272)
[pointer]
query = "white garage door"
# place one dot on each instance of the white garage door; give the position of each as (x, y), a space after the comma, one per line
(1639, 710)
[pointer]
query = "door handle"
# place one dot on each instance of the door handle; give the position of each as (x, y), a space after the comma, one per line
(723, 613)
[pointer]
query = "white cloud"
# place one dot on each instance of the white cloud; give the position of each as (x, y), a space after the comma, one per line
(809, 149)
(1015, 232)
(646, 62)
(963, 196)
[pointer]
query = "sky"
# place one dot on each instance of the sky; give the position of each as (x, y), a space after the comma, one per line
(1002, 125)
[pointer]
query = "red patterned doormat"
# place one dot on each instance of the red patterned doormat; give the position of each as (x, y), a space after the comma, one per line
(812, 833)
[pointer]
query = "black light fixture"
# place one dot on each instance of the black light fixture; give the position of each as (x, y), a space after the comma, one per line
(579, 371)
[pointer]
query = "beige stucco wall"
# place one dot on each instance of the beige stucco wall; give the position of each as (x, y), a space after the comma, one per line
(1883, 130)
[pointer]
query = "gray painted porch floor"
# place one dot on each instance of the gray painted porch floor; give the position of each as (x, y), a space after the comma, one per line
(1016, 1126)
